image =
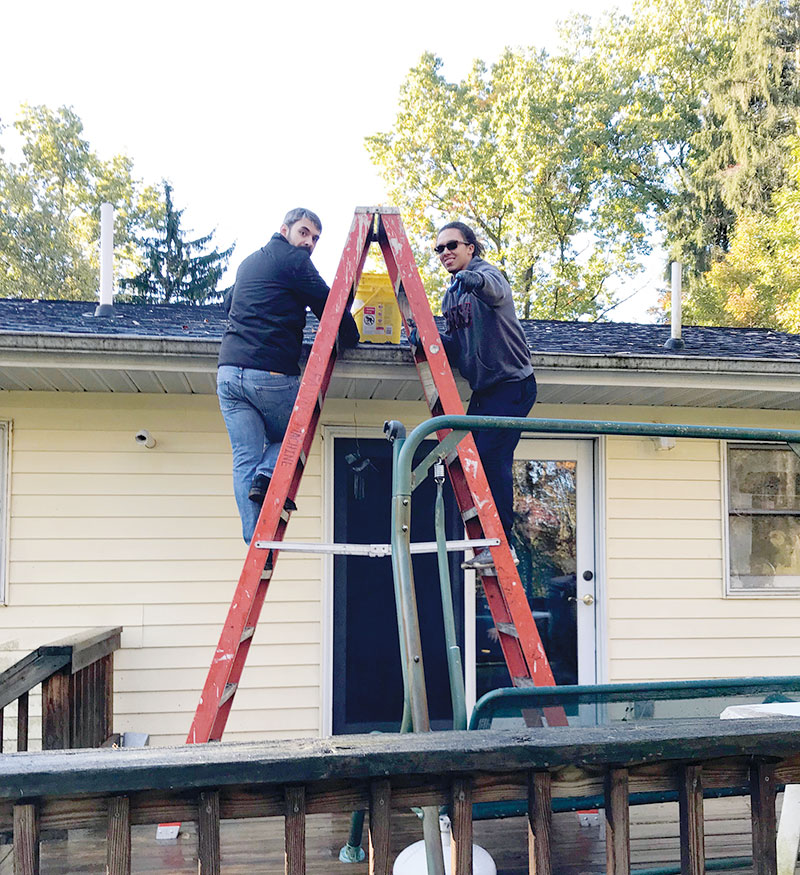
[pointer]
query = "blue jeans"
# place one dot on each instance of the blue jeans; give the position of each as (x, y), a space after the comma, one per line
(496, 446)
(256, 406)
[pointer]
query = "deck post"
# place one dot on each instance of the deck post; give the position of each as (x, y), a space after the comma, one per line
(26, 839)
(762, 813)
(56, 711)
(618, 840)
(22, 722)
(295, 799)
(540, 818)
(461, 839)
(208, 847)
(690, 805)
(380, 821)
(118, 847)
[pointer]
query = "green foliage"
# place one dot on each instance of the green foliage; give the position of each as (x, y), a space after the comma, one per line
(50, 209)
(520, 151)
(757, 284)
(177, 270)
(675, 118)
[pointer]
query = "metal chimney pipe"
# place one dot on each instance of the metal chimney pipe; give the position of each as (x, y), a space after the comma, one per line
(675, 341)
(106, 305)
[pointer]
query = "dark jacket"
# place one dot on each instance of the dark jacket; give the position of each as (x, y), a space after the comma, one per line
(484, 338)
(267, 309)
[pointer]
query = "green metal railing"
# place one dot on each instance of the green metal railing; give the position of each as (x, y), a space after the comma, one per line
(405, 477)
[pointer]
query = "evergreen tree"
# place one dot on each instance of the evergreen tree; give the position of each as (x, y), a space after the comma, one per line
(177, 270)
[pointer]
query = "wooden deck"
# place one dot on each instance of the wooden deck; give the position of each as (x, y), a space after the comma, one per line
(579, 850)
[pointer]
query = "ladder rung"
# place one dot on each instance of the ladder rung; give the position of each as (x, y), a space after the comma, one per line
(266, 574)
(523, 682)
(372, 550)
(229, 690)
(507, 629)
(302, 458)
(248, 632)
(469, 514)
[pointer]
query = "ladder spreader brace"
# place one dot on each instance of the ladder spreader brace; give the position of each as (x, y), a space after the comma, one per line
(519, 638)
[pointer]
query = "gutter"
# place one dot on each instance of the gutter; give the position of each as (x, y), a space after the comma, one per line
(140, 352)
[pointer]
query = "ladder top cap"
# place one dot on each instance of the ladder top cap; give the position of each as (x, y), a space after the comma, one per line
(395, 211)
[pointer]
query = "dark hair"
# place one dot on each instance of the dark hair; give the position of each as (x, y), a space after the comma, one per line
(301, 213)
(467, 233)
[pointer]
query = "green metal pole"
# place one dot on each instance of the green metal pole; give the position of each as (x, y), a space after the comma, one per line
(352, 852)
(454, 668)
(411, 648)
(397, 440)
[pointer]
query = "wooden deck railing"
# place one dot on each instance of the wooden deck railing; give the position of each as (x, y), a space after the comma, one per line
(77, 678)
(114, 789)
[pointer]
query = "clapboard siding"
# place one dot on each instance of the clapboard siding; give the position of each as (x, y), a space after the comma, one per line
(106, 532)
(667, 614)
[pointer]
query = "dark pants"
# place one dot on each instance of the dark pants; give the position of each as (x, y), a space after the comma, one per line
(496, 446)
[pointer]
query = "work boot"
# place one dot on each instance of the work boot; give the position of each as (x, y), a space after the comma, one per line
(483, 560)
(258, 492)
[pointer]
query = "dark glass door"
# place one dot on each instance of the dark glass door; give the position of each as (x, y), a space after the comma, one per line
(367, 679)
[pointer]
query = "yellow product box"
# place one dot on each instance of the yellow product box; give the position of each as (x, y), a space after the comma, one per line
(375, 309)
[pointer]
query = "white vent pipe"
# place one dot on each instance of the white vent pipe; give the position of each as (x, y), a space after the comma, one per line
(675, 341)
(106, 305)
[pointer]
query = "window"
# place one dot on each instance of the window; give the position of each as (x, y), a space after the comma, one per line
(763, 520)
(5, 432)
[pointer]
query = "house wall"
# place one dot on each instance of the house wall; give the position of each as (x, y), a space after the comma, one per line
(105, 532)
(668, 617)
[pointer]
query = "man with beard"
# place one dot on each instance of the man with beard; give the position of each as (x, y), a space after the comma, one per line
(259, 360)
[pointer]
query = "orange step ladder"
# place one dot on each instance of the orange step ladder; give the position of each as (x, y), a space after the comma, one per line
(519, 637)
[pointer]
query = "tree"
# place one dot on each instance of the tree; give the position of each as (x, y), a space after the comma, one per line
(711, 97)
(662, 61)
(757, 283)
(518, 150)
(177, 270)
(49, 209)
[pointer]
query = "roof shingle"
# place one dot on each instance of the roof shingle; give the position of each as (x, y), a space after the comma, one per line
(173, 321)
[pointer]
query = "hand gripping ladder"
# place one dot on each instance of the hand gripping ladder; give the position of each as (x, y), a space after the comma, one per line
(519, 638)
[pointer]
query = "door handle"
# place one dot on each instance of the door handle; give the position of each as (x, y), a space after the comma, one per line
(587, 599)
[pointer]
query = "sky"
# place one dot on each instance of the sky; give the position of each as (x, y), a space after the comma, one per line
(251, 109)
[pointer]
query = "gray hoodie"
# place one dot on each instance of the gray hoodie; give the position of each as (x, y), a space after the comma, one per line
(484, 338)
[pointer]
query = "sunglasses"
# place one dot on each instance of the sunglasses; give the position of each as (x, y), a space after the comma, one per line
(451, 245)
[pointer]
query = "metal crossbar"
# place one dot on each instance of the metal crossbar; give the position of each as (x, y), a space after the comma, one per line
(373, 551)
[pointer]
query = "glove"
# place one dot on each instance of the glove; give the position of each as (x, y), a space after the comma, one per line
(470, 280)
(413, 338)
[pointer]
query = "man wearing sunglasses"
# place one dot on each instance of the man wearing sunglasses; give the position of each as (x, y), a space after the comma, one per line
(484, 339)
(259, 360)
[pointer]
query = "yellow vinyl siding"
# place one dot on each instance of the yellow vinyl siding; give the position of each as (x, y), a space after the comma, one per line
(105, 532)
(667, 614)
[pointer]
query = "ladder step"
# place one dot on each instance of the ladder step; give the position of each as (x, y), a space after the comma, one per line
(266, 574)
(469, 514)
(248, 632)
(507, 629)
(373, 550)
(229, 690)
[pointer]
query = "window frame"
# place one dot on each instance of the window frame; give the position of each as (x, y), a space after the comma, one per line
(749, 593)
(5, 501)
